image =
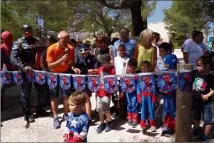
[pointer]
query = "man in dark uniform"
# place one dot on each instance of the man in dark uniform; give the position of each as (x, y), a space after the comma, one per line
(23, 57)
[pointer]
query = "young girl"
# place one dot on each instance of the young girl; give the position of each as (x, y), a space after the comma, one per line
(76, 129)
(145, 51)
(203, 89)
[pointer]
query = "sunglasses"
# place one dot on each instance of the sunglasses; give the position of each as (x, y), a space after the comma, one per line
(83, 50)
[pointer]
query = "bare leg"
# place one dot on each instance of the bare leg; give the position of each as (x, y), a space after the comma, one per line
(101, 118)
(54, 106)
(207, 130)
(108, 115)
(88, 106)
(65, 104)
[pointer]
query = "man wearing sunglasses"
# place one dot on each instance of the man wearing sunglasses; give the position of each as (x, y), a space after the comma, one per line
(87, 64)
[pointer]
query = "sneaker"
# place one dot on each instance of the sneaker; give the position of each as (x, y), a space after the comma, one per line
(130, 122)
(56, 123)
(196, 131)
(108, 127)
(134, 124)
(65, 117)
(100, 128)
(204, 138)
(164, 128)
(168, 133)
(153, 129)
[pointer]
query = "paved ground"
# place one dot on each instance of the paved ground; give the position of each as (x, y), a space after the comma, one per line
(13, 129)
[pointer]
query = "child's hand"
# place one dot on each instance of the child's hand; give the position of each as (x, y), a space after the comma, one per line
(205, 97)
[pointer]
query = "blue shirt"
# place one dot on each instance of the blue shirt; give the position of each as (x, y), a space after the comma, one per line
(130, 47)
(171, 60)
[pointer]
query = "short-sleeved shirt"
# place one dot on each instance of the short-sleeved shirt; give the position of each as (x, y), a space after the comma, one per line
(171, 60)
(194, 51)
(120, 64)
(104, 71)
(130, 47)
(54, 52)
(202, 85)
(84, 64)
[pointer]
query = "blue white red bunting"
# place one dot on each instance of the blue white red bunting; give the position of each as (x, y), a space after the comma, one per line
(17, 77)
(6, 77)
(167, 82)
(65, 81)
(79, 82)
(146, 83)
(128, 84)
(93, 83)
(185, 81)
(52, 80)
(30, 76)
(110, 84)
(40, 77)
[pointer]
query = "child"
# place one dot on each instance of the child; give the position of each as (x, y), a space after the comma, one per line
(170, 63)
(131, 98)
(148, 100)
(87, 63)
(103, 97)
(203, 90)
(170, 60)
(120, 62)
(76, 129)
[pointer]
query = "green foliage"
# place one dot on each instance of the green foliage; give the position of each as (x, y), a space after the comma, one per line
(185, 16)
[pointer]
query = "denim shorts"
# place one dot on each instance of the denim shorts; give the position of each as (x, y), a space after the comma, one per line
(200, 107)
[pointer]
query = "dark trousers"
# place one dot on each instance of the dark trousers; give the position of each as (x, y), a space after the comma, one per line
(26, 92)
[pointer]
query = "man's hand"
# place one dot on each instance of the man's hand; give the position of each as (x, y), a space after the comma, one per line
(63, 59)
(205, 97)
(77, 71)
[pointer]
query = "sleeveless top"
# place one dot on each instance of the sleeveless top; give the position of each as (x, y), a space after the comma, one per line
(144, 55)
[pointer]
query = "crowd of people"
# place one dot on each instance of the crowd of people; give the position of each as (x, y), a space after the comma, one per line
(117, 57)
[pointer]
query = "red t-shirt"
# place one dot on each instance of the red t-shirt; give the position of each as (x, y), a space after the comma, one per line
(104, 71)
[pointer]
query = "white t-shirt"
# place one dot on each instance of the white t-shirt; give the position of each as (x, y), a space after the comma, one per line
(120, 65)
(194, 51)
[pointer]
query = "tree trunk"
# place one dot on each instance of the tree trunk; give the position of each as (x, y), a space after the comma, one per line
(138, 24)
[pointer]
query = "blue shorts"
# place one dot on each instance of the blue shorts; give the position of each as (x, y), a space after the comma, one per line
(199, 106)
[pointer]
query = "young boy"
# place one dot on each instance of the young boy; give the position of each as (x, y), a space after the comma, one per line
(103, 97)
(148, 100)
(203, 89)
(120, 63)
(170, 63)
(131, 98)
(76, 129)
(170, 60)
(87, 63)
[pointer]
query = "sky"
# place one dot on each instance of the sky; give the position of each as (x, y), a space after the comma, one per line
(158, 14)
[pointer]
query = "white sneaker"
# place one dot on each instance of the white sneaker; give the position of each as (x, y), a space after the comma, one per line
(153, 129)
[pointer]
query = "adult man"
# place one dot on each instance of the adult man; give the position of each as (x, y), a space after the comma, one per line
(194, 48)
(124, 39)
(60, 59)
(23, 57)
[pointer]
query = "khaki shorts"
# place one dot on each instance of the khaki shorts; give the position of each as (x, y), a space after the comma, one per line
(103, 104)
